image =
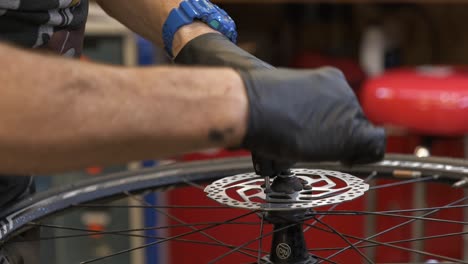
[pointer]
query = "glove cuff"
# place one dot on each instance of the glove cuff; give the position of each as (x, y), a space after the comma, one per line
(214, 49)
(247, 78)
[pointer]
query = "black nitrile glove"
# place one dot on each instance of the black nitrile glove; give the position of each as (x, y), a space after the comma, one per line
(308, 115)
(214, 49)
(293, 115)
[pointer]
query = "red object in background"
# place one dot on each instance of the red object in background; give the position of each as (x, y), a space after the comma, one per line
(350, 68)
(94, 170)
(425, 100)
(96, 228)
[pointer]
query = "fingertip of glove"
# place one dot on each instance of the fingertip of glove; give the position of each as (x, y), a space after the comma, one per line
(371, 149)
(377, 145)
(333, 71)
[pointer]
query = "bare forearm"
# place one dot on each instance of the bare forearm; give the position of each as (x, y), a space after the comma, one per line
(65, 114)
(147, 17)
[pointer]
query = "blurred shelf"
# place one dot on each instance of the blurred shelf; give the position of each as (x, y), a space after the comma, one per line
(100, 23)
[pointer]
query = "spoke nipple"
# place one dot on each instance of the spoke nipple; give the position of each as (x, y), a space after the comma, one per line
(406, 174)
(461, 183)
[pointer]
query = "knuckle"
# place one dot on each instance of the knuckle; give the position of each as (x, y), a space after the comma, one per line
(333, 71)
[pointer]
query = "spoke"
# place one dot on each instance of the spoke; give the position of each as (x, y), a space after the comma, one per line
(250, 242)
(420, 218)
(324, 259)
(393, 246)
(396, 227)
(117, 232)
(151, 206)
(257, 238)
(427, 237)
(425, 209)
(260, 248)
(395, 242)
(337, 248)
(321, 217)
(349, 212)
(210, 244)
(190, 226)
(371, 176)
(198, 186)
(143, 228)
(344, 239)
(368, 179)
(428, 178)
(166, 239)
(361, 213)
(122, 233)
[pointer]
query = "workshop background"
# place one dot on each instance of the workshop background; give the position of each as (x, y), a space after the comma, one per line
(395, 41)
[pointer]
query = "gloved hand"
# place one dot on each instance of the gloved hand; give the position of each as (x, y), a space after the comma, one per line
(214, 49)
(293, 115)
(308, 115)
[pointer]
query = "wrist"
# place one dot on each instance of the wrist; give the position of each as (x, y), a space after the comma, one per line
(205, 107)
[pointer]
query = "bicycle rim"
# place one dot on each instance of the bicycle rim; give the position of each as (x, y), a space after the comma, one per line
(396, 174)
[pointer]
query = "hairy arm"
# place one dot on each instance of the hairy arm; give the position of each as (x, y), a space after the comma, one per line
(147, 17)
(58, 114)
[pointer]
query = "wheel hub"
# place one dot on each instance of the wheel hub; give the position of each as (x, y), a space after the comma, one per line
(288, 244)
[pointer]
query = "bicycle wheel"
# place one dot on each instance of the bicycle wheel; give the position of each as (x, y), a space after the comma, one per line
(414, 231)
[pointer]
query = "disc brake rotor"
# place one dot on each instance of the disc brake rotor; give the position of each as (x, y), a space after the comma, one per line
(324, 188)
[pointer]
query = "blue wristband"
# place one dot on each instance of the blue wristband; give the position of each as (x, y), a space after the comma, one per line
(203, 10)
